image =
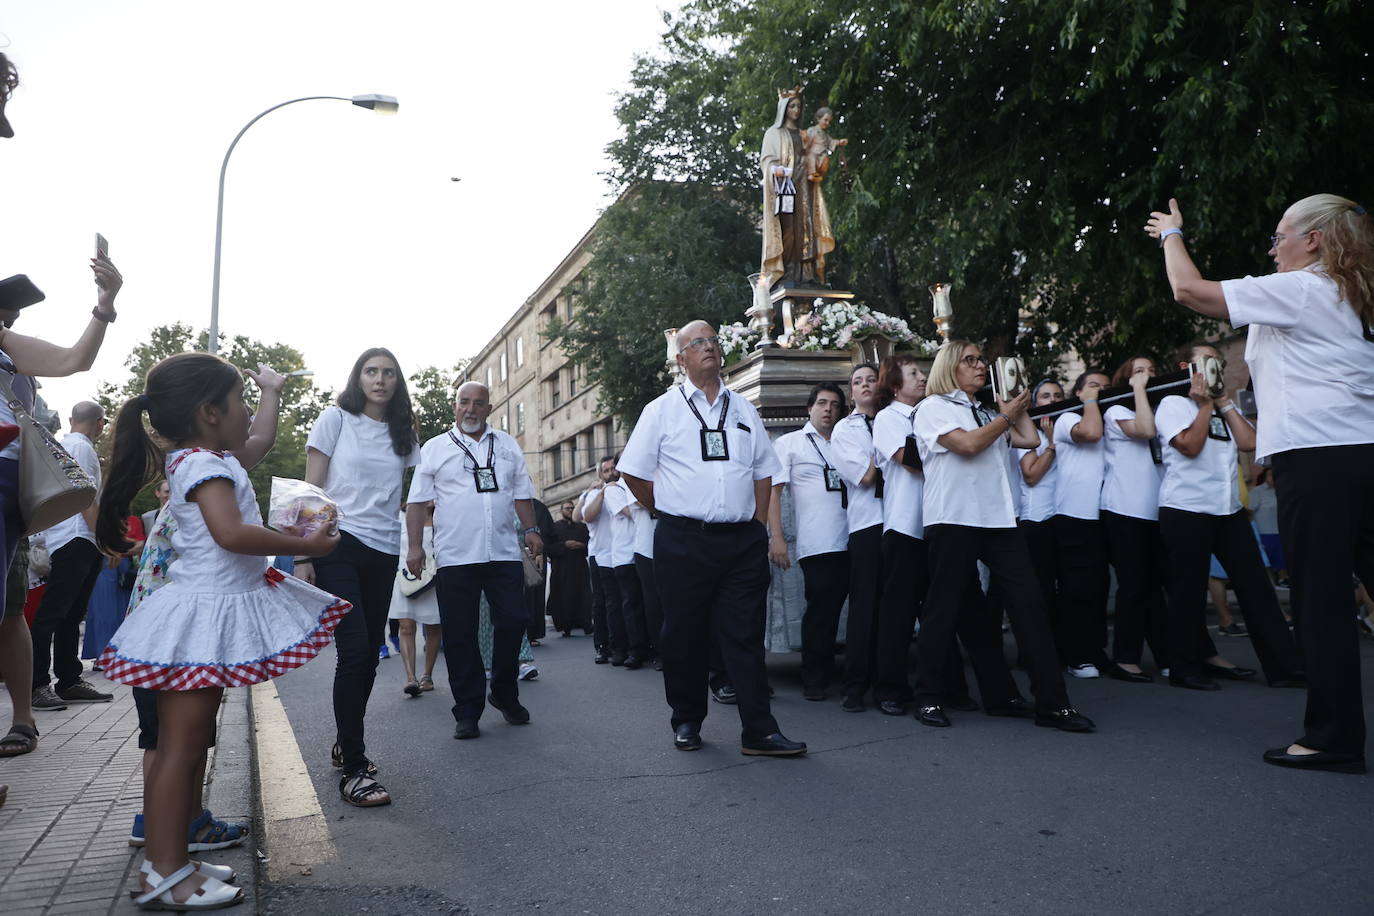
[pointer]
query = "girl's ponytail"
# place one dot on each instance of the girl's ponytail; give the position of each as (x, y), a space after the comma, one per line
(135, 462)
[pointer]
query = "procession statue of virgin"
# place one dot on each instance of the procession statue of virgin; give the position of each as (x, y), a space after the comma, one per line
(796, 225)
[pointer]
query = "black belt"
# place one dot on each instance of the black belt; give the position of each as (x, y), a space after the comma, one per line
(678, 521)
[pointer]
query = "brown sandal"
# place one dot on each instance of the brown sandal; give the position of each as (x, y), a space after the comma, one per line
(362, 791)
(426, 683)
(22, 739)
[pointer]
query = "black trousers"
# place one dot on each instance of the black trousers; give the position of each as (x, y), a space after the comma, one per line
(632, 611)
(460, 589)
(906, 579)
(1190, 539)
(616, 641)
(954, 549)
(714, 584)
(826, 576)
(57, 622)
(359, 574)
(865, 588)
(1080, 620)
(1137, 554)
(653, 605)
(535, 603)
(601, 633)
(1326, 524)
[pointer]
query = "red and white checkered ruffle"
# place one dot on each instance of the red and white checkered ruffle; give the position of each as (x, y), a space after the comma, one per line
(193, 676)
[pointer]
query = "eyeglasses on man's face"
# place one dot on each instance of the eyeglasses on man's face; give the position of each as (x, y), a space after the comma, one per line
(697, 343)
(973, 362)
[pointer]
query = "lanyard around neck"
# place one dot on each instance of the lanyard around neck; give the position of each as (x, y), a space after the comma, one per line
(811, 437)
(724, 408)
(491, 450)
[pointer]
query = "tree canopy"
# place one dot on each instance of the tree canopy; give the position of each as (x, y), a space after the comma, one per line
(1016, 149)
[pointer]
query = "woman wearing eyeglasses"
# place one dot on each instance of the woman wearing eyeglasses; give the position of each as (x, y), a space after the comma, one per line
(1311, 354)
(968, 515)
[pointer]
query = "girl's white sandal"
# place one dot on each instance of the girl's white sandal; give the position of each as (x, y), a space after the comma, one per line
(214, 894)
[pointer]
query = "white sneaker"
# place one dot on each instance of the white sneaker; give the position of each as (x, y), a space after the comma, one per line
(1163, 672)
(1084, 671)
(528, 672)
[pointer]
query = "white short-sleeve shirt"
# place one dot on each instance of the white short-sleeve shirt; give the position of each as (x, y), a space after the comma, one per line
(364, 475)
(645, 524)
(615, 506)
(903, 491)
(1078, 487)
(851, 446)
(1037, 502)
(1131, 479)
(666, 447)
(69, 529)
(822, 521)
(598, 531)
(1312, 365)
(471, 527)
(962, 490)
(1208, 483)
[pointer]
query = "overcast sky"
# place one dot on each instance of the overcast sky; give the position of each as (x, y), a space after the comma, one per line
(342, 229)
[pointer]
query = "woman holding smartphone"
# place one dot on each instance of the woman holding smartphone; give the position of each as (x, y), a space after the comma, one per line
(1130, 518)
(1311, 354)
(357, 453)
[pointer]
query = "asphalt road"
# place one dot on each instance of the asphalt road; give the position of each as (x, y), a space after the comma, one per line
(1166, 809)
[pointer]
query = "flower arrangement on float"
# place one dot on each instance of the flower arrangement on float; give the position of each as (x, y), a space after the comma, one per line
(842, 325)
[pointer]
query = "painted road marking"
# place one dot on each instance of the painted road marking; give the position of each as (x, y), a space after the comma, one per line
(295, 828)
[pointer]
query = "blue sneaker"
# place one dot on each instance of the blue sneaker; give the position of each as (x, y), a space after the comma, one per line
(395, 644)
(220, 835)
(384, 652)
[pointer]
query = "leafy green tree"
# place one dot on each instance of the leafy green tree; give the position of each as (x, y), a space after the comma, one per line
(431, 396)
(663, 255)
(302, 402)
(1016, 149)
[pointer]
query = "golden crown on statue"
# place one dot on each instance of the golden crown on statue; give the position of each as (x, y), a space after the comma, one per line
(789, 93)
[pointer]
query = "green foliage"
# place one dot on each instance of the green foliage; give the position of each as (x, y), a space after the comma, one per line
(664, 254)
(431, 396)
(302, 402)
(1016, 149)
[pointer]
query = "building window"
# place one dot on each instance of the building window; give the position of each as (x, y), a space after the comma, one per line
(519, 352)
(505, 421)
(489, 378)
(504, 372)
(555, 395)
(572, 381)
(587, 448)
(556, 462)
(520, 419)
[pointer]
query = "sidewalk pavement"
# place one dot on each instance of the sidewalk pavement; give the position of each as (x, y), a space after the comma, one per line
(64, 830)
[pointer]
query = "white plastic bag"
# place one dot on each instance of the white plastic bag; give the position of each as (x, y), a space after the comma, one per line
(300, 508)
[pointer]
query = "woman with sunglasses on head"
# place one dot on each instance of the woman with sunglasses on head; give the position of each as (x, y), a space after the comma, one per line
(968, 516)
(1200, 515)
(1311, 354)
(1130, 518)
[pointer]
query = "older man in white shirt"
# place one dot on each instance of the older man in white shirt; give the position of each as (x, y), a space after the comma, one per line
(700, 457)
(476, 479)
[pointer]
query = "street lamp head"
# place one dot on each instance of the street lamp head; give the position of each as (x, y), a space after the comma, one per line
(382, 104)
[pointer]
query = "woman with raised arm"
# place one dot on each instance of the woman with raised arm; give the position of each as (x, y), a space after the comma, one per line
(1310, 350)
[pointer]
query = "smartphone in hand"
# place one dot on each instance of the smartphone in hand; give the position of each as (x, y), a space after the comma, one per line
(102, 247)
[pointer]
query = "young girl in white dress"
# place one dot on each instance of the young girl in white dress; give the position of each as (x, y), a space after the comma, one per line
(226, 619)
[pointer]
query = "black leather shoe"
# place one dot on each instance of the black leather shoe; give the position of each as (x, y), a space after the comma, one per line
(892, 708)
(514, 713)
(617, 660)
(466, 728)
(1015, 708)
(963, 703)
(1230, 674)
(933, 716)
(1193, 682)
(1118, 673)
(601, 656)
(632, 663)
(775, 745)
(814, 694)
(723, 694)
(687, 737)
(853, 704)
(1322, 760)
(1067, 719)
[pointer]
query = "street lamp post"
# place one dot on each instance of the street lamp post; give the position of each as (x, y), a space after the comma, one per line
(382, 104)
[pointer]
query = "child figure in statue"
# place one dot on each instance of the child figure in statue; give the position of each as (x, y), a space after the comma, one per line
(820, 145)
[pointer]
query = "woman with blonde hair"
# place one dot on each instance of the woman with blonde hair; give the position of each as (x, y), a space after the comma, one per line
(1310, 350)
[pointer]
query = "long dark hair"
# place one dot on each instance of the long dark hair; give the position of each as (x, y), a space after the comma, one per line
(400, 415)
(173, 392)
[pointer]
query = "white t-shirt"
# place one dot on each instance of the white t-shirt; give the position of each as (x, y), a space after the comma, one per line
(1037, 502)
(1078, 488)
(615, 505)
(644, 530)
(822, 522)
(902, 490)
(851, 447)
(1131, 478)
(472, 527)
(666, 447)
(1264, 503)
(598, 531)
(364, 475)
(69, 529)
(1312, 366)
(962, 490)
(1208, 483)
